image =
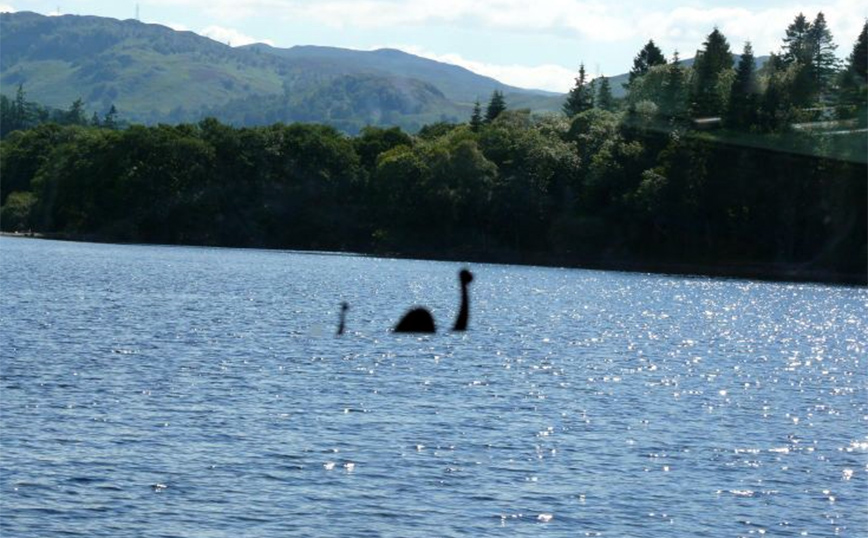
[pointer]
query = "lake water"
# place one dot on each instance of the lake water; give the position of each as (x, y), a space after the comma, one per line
(175, 392)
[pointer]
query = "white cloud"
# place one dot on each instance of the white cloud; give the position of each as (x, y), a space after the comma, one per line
(549, 77)
(686, 28)
(232, 10)
(175, 26)
(230, 36)
(589, 18)
(6, 8)
(671, 25)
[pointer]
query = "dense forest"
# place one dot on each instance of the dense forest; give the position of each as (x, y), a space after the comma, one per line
(713, 168)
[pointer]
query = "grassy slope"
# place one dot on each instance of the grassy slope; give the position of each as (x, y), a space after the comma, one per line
(153, 73)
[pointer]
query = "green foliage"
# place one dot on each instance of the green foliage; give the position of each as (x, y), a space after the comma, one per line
(777, 108)
(373, 141)
(436, 130)
(650, 87)
(16, 212)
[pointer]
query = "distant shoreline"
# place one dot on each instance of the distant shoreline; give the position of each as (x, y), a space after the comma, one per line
(749, 271)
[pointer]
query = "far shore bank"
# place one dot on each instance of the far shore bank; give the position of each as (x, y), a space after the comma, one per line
(776, 272)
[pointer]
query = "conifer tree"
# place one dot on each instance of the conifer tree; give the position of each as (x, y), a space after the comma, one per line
(710, 63)
(76, 113)
(496, 105)
(853, 82)
(809, 50)
(857, 63)
(20, 111)
(824, 63)
(605, 100)
(580, 98)
(743, 94)
(476, 117)
(796, 46)
(674, 95)
(648, 57)
(111, 118)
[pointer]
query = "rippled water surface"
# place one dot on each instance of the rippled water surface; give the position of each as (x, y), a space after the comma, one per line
(174, 392)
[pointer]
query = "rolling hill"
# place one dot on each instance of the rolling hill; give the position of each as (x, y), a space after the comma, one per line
(155, 74)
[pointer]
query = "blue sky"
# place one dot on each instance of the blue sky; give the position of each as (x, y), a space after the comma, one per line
(532, 44)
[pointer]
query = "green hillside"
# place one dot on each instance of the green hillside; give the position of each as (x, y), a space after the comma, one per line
(153, 74)
(456, 83)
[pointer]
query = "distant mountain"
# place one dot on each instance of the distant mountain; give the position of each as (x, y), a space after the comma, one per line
(155, 74)
(456, 83)
(152, 74)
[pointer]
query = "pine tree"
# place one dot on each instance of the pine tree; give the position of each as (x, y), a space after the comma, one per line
(742, 112)
(75, 115)
(824, 63)
(853, 82)
(580, 97)
(648, 57)
(796, 46)
(476, 117)
(111, 118)
(605, 100)
(20, 111)
(672, 103)
(858, 61)
(708, 67)
(496, 105)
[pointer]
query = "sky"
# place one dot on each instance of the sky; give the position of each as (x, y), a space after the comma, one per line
(531, 44)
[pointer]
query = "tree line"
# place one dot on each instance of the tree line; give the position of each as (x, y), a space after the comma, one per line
(628, 187)
(20, 113)
(802, 83)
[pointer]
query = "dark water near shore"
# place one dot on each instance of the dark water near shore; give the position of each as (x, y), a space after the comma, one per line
(162, 391)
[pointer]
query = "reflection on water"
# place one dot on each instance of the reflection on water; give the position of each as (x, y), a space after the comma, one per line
(157, 391)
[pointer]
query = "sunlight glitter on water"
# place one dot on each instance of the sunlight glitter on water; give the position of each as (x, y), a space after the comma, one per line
(735, 404)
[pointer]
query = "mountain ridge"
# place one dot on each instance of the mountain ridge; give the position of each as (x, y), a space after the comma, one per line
(153, 74)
